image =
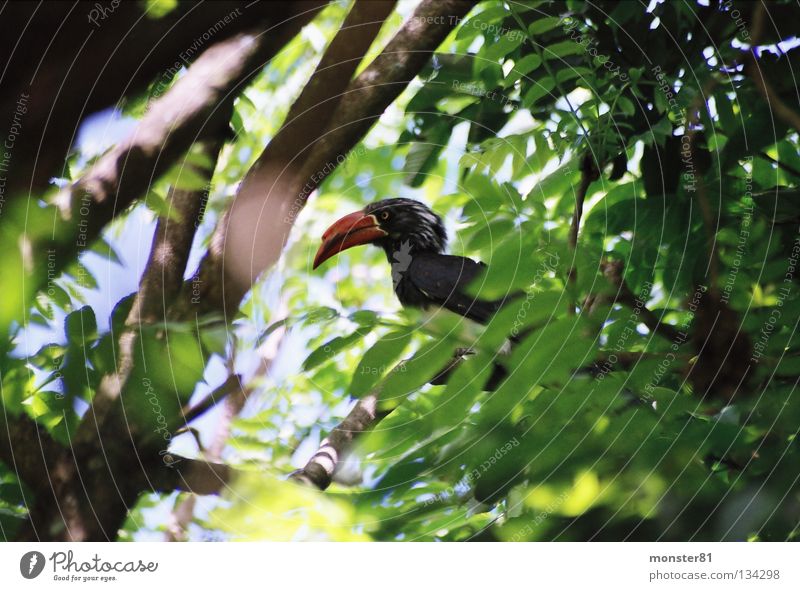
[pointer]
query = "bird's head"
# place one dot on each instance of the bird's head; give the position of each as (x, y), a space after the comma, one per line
(389, 224)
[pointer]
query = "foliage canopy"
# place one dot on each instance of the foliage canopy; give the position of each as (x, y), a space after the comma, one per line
(652, 392)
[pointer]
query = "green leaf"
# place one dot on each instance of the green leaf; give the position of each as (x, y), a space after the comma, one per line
(105, 250)
(543, 25)
(317, 315)
(505, 45)
(513, 265)
(49, 356)
(725, 111)
(523, 67)
(367, 318)
(83, 277)
(172, 362)
(80, 326)
(333, 347)
(626, 106)
(489, 234)
(199, 159)
(662, 128)
(237, 123)
(378, 360)
(428, 362)
(424, 155)
(59, 296)
(157, 9)
(184, 176)
(158, 204)
(539, 89)
(482, 20)
(517, 316)
(562, 49)
(464, 385)
(16, 384)
(214, 338)
(585, 74)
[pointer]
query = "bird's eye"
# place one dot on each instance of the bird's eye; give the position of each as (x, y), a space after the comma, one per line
(385, 215)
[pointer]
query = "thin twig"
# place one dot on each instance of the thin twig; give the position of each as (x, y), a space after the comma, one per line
(589, 173)
(232, 384)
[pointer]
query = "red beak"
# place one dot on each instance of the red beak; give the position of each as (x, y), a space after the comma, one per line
(351, 230)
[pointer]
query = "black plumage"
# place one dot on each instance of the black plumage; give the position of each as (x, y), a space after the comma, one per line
(414, 239)
(442, 279)
(423, 276)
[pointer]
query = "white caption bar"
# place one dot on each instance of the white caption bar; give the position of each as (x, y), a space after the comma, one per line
(353, 567)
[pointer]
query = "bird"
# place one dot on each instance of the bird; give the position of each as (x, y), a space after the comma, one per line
(414, 239)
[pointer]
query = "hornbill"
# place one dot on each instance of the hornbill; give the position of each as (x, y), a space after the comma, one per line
(413, 238)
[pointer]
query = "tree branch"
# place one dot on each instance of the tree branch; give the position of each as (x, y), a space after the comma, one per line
(93, 59)
(194, 476)
(319, 470)
(722, 348)
(195, 108)
(381, 82)
(274, 175)
(589, 174)
(81, 504)
(27, 449)
(273, 193)
(161, 282)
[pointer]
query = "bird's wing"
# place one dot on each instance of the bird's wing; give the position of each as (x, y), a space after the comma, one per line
(444, 279)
